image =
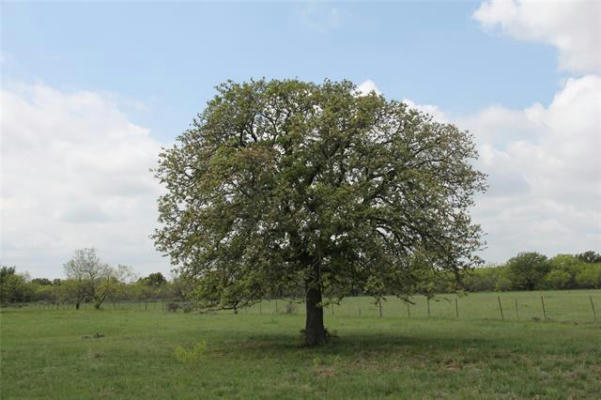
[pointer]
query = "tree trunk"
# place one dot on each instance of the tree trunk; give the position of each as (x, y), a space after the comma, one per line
(315, 332)
(77, 305)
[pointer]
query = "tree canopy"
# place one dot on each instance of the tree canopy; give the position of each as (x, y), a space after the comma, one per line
(527, 270)
(284, 186)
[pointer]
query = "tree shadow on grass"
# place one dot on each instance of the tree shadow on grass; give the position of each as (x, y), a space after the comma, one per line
(351, 345)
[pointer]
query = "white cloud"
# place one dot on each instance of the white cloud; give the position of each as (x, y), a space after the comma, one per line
(544, 171)
(75, 173)
(366, 87)
(574, 27)
(436, 113)
(543, 162)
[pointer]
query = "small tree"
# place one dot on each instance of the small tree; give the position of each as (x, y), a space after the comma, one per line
(14, 287)
(287, 185)
(114, 286)
(527, 270)
(90, 279)
(85, 271)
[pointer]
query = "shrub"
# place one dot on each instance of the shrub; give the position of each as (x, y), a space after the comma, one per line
(172, 307)
(192, 355)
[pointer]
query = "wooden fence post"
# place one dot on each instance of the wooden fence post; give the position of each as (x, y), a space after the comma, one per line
(593, 308)
(380, 307)
(500, 308)
(428, 302)
(517, 310)
(456, 308)
(542, 301)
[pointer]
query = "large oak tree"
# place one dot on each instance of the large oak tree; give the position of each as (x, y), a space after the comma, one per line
(285, 185)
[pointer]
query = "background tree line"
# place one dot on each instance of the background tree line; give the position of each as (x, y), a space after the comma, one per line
(90, 281)
(534, 271)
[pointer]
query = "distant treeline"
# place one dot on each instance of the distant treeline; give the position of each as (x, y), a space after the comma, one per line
(534, 271)
(18, 288)
(526, 271)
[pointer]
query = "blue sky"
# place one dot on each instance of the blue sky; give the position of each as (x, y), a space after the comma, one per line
(170, 56)
(91, 91)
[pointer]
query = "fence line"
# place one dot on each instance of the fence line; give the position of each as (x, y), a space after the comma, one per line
(556, 306)
(570, 306)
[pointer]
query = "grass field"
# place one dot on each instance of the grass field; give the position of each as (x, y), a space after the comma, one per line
(56, 354)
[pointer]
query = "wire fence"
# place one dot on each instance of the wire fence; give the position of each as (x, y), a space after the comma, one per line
(561, 306)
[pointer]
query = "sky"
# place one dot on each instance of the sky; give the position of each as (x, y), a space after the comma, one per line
(91, 92)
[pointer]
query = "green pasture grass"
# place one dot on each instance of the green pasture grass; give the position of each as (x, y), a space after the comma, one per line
(127, 352)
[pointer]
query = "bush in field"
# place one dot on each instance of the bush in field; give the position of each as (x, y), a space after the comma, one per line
(192, 355)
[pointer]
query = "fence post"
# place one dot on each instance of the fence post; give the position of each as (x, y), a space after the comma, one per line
(517, 310)
(408, 311)
(380, 307)
(500, 308)
(593, 308)
(456, 308)
(428, 302)
(542, 301)
(276, 306)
